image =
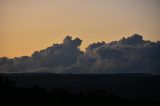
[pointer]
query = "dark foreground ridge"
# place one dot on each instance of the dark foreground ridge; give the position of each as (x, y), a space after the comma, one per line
(79, 90)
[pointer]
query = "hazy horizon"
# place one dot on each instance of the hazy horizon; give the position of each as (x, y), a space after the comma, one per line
(81, 49)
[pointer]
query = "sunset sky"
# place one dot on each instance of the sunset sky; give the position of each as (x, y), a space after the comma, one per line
(29, 25)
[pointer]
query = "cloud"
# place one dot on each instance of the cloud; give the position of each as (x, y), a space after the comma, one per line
(133, 40)
(58, 55)
(128, 55)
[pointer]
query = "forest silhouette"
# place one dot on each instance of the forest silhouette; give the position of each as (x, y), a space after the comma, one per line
(11, 94)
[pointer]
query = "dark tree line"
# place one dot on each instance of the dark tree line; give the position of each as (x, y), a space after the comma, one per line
(11, 95)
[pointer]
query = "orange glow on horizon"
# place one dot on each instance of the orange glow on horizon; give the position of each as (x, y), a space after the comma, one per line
(30, 25)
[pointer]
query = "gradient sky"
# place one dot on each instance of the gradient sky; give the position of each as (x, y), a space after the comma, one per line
(29, 25)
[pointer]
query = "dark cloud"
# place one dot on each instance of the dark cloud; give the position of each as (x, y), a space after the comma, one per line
(133, 40)
(53, 58)
(128, 55)
(59, 54)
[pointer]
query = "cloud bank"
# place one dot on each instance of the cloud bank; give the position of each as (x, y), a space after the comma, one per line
(128, 55)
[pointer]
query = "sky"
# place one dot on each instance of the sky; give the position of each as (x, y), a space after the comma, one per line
(30, 25)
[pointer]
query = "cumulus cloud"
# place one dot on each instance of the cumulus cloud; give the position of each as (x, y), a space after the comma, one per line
(128, 55)
(51, 58)
(63, 54)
